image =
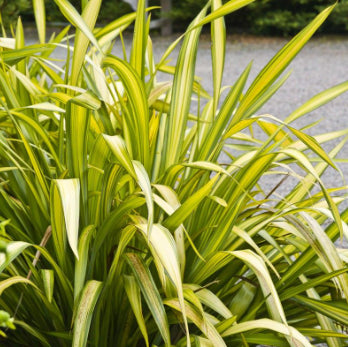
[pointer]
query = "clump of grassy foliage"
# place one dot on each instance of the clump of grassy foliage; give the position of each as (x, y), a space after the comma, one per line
(119, 225)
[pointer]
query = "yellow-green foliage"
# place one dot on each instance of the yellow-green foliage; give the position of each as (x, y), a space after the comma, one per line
(119, 226)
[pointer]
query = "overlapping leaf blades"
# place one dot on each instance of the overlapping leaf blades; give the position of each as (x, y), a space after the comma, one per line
(125, 230)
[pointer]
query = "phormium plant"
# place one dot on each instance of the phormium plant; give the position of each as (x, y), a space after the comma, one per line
(119, 227)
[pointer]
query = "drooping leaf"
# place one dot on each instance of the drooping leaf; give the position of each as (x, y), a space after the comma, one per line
(200, 321)
(317, 101)
(298, 339)
(133, 293)
(338, 314)
(14, 56)
(71, 14)
(84, 314)
(256, 263)
(13, 250)
(48, 283)
(164, 247)
(69, 192)
(14, 280)
(145, 185)
(82, 262)
(151, 295)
